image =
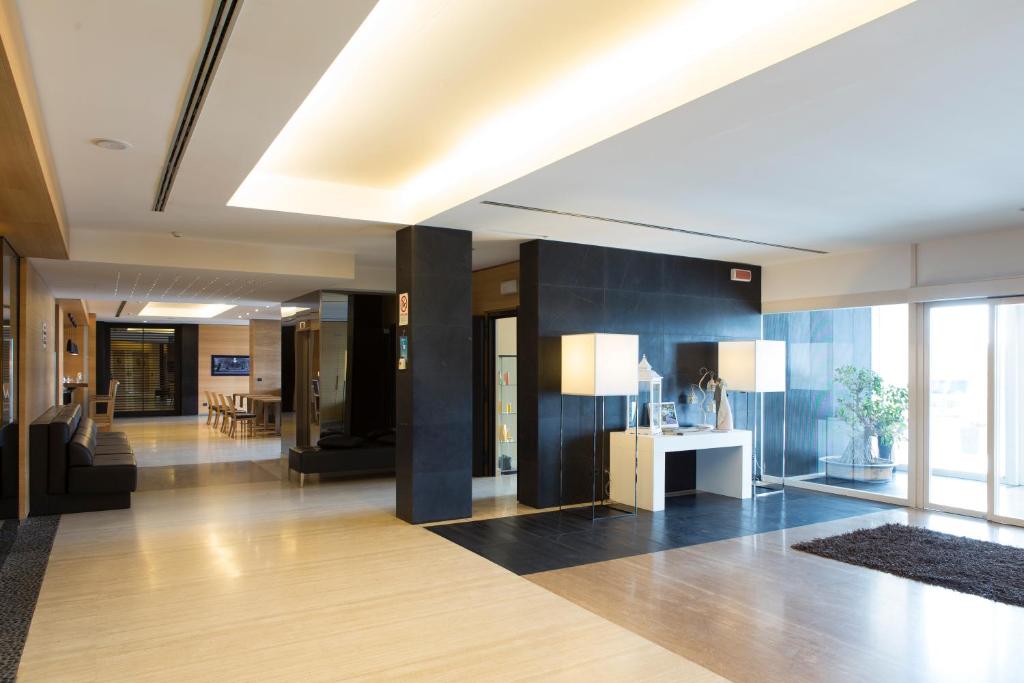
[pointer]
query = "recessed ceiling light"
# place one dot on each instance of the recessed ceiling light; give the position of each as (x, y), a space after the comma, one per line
(111, 144)
(605, 84)
(288, 311)
(172, 310)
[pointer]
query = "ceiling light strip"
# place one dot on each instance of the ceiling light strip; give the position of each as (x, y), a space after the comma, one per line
(653, 226)
(222, 19)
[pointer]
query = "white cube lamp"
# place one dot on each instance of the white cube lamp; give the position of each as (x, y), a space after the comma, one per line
(756, 366)
(600, 364)
(597, 365)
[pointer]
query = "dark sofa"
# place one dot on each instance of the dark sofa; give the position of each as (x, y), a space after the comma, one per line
(337, 453)
(73, 467)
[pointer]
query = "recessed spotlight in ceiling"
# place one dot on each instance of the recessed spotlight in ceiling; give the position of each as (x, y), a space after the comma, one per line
(111, 144)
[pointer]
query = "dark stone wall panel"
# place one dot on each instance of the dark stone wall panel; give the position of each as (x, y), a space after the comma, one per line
(678, 305)
(433, 454)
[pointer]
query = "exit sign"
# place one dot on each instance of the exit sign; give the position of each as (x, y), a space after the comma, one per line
(742, 275)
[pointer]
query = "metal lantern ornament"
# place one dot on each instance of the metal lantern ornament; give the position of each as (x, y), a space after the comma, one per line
(649, 397)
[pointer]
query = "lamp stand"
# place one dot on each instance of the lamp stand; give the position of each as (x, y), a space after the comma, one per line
(766, 488)
(604, 506)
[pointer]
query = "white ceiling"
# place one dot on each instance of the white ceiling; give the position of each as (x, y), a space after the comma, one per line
(904, 129)
(105, 285)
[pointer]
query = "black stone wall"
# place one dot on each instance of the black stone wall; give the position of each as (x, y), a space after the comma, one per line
(434, 412)
(679, 306)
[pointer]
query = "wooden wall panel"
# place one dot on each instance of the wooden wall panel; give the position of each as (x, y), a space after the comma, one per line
(221, 340)
(487, 296)
(31, 215)
(37, 364)
(265, 356)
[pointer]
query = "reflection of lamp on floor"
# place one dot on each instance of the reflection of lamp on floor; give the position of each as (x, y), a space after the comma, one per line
(597, 365)
(756, 367)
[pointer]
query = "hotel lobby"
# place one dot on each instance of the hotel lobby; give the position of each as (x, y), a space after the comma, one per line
(487, 340)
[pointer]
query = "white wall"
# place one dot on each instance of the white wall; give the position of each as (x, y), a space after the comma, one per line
(965, 266)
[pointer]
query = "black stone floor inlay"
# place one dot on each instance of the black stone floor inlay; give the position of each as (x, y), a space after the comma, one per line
(526, 544)
(25, 552)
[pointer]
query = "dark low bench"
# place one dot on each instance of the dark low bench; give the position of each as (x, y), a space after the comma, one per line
(76, 468)
(344, 455)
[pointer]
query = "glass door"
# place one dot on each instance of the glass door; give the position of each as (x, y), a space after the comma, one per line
(145, 361)
(1008, 412)
(506, 388)
(958, 399)
(975, 378)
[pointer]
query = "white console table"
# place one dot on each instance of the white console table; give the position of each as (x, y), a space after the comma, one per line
(723, 465)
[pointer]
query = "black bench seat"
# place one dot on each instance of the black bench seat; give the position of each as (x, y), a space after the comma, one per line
(75, 467)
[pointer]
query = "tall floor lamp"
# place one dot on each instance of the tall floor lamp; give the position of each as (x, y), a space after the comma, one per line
(597, 365)
(757, 367)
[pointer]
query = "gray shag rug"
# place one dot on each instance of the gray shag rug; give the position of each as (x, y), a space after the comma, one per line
(24, 552)
(990, 570)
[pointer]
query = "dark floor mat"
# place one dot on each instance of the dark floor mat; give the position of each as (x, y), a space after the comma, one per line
(990, 570)
(24, 553)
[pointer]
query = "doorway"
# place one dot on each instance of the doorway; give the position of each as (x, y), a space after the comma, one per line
(506, 402)
(975, 380)
(495, 395)
(145, 360)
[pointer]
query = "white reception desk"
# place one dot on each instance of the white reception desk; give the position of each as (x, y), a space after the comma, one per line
(723, 465)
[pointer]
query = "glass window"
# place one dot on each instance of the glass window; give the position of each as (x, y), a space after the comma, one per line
(846, 403)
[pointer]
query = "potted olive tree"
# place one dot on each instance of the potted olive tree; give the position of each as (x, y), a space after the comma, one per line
(876, 414)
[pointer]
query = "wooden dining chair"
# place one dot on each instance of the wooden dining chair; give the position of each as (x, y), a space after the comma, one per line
(213, 409)
(105, 419)
(233, 416)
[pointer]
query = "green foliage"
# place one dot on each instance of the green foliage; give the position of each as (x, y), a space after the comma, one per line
(871, 408)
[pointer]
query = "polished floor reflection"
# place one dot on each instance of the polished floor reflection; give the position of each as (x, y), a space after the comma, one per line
(268, 581)
(230, 571)
(188, 440)
(753, 609)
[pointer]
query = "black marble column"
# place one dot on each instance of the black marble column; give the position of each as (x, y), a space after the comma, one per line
(434, 456)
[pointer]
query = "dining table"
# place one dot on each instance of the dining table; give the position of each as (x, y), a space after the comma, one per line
(260, 405)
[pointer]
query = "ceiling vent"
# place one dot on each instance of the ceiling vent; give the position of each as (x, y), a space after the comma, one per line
(221, 21)
(653, 226)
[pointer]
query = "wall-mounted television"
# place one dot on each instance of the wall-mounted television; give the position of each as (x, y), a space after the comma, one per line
(229, 366)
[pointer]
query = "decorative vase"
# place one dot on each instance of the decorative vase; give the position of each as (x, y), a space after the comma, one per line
(724, 413)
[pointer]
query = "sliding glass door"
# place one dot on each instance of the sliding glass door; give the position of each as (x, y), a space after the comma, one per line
(1008, 412)
(975, 380)
(958, 392)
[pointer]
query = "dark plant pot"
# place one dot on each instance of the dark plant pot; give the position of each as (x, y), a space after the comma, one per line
(884, 450)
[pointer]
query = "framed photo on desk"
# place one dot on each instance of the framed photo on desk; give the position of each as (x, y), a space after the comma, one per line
(667, 410)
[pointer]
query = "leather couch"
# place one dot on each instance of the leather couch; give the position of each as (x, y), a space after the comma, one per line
(76, 468)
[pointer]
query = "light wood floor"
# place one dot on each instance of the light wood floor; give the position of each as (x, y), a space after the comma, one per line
(272, 582)
(187, 440)
(267, 581)
(753, 609)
